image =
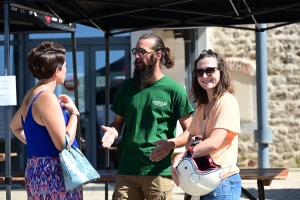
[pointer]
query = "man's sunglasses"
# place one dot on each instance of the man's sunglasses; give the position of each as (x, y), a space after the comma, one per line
(140, 51)
(208, 71)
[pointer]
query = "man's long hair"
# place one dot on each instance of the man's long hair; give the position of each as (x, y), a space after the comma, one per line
(167, 58)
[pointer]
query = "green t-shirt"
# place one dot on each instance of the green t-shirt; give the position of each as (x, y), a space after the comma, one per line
(150, 115)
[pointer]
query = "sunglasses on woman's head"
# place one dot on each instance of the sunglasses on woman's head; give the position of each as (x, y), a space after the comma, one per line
(208, 71)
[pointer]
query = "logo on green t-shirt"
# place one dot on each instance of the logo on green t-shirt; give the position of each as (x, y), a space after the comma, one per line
(159, 103)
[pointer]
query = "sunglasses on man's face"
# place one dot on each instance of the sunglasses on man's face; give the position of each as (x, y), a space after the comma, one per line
(140, 51)
(208, 71)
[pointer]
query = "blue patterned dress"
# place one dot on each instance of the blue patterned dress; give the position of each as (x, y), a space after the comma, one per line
(43, 175)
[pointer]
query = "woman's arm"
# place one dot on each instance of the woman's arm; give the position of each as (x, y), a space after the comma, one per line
(16, 126)
(212, 143)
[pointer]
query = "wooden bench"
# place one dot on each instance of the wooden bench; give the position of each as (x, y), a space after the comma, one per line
(2, 156)
(16, 177)
(105, 176)
(264, 177)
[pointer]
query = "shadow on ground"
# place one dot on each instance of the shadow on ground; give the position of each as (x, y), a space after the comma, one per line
(282, 194)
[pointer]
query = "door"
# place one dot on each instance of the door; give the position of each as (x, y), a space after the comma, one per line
(90, 58)
(69, 88)
(119, 71)
(117, 76)
(91, 94)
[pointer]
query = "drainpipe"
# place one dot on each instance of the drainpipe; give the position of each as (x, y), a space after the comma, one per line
(187, 37)
(263, 135)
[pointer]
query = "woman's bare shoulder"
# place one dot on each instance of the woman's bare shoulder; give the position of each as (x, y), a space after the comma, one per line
(46, 97)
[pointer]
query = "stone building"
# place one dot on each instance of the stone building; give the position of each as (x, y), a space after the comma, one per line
(238, 46)
(283, 48)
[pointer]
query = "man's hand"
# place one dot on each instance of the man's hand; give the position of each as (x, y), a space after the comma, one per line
(109, 136)
(163, 149)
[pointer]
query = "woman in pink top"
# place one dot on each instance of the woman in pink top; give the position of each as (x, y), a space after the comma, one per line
(216, 121)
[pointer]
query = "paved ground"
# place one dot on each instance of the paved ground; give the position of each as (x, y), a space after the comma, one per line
(288, 189)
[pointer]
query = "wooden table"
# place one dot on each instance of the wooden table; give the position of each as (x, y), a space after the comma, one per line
(2, 156)
(106, 176)
(264, 177)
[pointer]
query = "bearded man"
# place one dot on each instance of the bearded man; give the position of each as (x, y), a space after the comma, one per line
(148, 106)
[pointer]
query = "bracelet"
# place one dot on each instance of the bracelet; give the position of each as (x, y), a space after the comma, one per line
(76, 113)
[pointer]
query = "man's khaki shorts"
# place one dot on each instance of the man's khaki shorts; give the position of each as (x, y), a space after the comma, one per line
(143, 187)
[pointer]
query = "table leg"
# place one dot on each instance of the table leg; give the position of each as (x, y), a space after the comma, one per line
(106, 190)
(187, 196)
(247, 194)
(261, 190)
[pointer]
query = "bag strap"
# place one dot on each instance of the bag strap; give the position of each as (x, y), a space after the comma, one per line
(190, 150)
(66, 144)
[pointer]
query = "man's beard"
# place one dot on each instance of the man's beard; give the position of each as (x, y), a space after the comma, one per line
(144, 72)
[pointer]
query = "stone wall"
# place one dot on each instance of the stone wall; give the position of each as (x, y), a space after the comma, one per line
(283, 46)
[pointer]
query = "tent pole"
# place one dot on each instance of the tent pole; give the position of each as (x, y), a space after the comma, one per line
(8, 178)
(107, 99)
(107, 92)
(263, 135)
(75, 81)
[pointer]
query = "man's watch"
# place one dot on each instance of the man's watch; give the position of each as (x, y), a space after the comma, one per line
(77, 113)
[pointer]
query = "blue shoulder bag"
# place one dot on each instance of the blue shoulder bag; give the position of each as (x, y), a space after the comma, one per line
(77, 170)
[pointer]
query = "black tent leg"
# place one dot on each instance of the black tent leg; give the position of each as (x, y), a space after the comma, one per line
(7, 108)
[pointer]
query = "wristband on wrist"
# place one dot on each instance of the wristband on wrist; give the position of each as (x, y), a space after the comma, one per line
(76, 113)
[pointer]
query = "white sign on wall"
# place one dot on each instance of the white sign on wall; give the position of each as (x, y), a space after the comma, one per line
(8, 96)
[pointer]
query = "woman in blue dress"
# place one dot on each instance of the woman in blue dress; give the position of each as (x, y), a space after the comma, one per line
(41, 123)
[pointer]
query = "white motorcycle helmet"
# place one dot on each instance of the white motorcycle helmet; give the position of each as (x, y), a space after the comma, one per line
(200, 176)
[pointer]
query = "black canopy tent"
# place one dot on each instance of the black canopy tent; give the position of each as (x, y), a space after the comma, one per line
(119, 16)
(24, 19)
(16, 18)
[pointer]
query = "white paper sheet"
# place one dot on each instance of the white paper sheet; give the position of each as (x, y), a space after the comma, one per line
(8, 96)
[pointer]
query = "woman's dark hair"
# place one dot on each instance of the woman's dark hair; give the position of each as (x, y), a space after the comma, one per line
(44, 59)
(198, 94)
(167, 58)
